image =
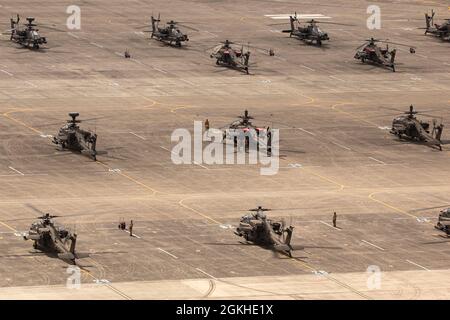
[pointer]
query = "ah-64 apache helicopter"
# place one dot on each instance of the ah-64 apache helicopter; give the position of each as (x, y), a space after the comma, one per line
(169, 34)
(409, 127)
(243, 127)
(443, 223)
(370, 52)
(441, 31)
(228, 54)
(260, 230)
(54, 239)
(310, 33)
(71, 137)
(29, 36)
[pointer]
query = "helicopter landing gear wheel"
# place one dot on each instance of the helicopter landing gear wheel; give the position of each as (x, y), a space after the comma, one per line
(319, 42)
(217, 62)
(35, 46)
(246, 70)
(363, 60)
(34, 245)
(393, 68)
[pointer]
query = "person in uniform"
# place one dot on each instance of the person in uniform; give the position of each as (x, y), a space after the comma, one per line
(131, 228)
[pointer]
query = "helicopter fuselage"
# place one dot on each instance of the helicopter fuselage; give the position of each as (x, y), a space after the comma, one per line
(73, 138)
(406, 126)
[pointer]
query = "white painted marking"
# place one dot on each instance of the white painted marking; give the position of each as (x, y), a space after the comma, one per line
(96, 44)
(210, 33)
(336, 78)
(101, 281)
(134, 235)
(160, 70)
(303, 66)
(308, 132)
(31, 84)
(379, 161)
(417, 265)
(139, 33)
(15, 170)
(73, 35)
(137, 61)
(320, 272)
(323, 222)
(119, 54)
(134, 134)
(188, 82)
(198, 269)
(373, 245)
(8, 73)
(114, 170)
(340, 145)
(173, 256)
(384, 128)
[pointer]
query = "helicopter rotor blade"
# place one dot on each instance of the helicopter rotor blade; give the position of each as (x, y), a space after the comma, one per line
(188, 27)
(34, 208)
(335, 23)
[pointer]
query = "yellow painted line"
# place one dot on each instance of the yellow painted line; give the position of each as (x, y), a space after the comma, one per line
(197, 212)
(311, 99)
(6, 115)
(341, 186)
(371, 197)
(8, 226)
(174, 110)
(154, 191)
(107, 284)
(335, 108)
(340, 283)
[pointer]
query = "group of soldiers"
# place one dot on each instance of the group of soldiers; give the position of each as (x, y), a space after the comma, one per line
(123, 226)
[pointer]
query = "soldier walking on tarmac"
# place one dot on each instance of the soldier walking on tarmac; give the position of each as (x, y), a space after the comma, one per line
(334, 219)
(131, 228)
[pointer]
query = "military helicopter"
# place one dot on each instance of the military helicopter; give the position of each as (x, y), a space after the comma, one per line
(443, 223)
(230, 56)
(52, 238)
(257, 228)
(28, 37)
(310, 33)
(369, 51)
(440, 31)
(410, 127)
(170, 34)
(243, 125)
(71, 137)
